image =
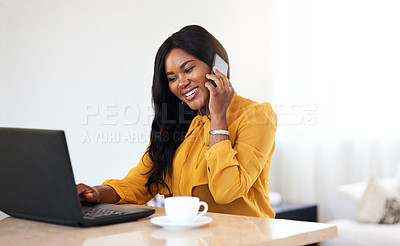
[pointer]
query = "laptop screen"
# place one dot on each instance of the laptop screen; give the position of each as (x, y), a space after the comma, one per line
(36, 177)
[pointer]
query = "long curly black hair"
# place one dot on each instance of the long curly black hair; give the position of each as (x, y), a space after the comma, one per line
(173, 118)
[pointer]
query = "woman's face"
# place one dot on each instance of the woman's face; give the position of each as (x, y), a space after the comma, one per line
(186, 77)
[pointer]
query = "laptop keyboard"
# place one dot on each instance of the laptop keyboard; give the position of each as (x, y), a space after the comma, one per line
(93, 212)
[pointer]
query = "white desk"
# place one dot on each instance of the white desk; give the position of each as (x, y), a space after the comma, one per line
(223, 230)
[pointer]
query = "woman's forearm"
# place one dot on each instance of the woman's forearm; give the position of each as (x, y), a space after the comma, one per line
(218, 123)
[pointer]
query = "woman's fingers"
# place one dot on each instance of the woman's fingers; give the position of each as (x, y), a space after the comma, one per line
(220, 96)
(87, 193)
(211, 88)
(220, 79)
(216, 79)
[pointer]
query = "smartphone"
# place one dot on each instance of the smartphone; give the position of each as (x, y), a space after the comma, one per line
(221, 65)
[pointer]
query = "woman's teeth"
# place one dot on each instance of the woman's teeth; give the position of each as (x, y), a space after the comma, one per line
(191, 92)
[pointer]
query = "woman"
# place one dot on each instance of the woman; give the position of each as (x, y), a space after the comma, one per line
(188, 155)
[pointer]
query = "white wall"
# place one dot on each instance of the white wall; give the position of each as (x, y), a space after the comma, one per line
(343, 57)
(62, 58)
(2, 65)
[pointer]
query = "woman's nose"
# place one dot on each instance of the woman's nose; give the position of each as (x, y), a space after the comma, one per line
(183, 81)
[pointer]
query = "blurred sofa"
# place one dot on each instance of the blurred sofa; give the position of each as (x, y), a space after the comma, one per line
(356, 228)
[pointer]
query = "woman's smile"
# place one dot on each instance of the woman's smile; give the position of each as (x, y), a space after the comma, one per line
(191, 94)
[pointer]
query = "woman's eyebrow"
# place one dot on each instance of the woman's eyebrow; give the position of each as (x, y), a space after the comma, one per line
(186, 62)
(180, 67)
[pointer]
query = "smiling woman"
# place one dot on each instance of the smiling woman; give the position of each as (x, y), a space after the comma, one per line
(206, 141)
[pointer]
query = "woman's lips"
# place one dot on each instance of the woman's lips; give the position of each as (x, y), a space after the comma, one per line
(191, 94)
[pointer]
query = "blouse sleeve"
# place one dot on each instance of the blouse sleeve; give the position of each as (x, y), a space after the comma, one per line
(233, 168)
(132, 188)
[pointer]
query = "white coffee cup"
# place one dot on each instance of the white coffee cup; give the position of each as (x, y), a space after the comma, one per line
(184, 209)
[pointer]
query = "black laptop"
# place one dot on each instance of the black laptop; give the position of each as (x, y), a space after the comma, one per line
(37, 182)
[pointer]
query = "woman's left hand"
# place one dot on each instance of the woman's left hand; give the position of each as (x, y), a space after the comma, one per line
(220, 96)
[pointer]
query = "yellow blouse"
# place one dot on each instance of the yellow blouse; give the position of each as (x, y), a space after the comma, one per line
(231, 176)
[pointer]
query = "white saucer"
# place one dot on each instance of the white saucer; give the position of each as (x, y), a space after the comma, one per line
(164, 222)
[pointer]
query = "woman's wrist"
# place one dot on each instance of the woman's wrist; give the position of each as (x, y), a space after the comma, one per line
(214, 139)
(219, 122)
(107, 194)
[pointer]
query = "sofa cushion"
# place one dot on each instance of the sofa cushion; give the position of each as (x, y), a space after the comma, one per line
(379, 204)
(343, 202)
(354, 233)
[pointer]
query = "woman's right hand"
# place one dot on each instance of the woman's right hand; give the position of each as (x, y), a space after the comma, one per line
(87, 193)
(99, 193)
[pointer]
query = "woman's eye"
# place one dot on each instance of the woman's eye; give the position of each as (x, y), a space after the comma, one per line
(172, 79)
(189, 70)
